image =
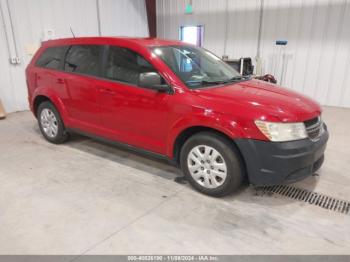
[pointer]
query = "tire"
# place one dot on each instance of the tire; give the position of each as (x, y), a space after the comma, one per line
(209, 177)
(51, 124)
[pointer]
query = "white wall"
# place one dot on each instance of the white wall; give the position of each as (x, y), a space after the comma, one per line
(317, 57)
(31, 17)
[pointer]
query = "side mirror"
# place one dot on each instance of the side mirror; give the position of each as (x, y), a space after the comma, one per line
(152, 80)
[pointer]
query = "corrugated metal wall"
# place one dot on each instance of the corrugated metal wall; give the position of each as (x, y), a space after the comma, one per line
(31, 17)
(316, 59)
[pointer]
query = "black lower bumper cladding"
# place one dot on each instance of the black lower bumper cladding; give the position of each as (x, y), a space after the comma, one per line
(272, 163)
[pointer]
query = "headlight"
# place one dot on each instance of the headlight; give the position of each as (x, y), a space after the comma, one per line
(279, 132)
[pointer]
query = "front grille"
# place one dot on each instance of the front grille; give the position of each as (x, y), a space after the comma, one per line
(312, 121)
(314, 127)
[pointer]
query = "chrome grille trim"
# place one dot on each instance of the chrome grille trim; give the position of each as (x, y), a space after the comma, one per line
(314, 128)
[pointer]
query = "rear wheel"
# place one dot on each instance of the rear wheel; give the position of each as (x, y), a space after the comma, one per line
(212, 164)
(51, 124)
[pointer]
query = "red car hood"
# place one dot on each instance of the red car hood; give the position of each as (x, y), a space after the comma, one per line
(261, 100)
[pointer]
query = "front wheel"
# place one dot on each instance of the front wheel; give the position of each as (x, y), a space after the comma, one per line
(212, 164)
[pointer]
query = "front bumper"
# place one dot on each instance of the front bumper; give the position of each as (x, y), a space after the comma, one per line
(273, 163)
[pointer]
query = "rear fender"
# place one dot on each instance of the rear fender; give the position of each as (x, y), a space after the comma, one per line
(57, 102)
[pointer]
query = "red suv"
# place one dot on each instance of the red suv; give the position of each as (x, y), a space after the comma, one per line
(179, 102)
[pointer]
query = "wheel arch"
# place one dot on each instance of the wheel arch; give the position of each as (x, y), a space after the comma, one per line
(46, 94)
(190, 131)
(37, 101)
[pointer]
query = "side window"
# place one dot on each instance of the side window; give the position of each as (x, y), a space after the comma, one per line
(83, 59)
(125, 65)
(51, 57)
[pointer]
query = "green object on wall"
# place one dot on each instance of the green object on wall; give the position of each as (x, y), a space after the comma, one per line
(188, 9)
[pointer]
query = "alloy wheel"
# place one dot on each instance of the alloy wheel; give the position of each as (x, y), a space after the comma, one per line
(49, 122)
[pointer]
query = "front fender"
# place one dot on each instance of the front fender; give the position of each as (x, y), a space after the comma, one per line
(206, 119)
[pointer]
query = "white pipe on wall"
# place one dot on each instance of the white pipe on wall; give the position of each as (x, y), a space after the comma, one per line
(98, 17)
(9, 32)
(5, 29)
(12, 32)
(226, 27)
(258, 67)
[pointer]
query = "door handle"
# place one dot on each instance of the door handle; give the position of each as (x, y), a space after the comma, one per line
(60, 81)
(107, 91)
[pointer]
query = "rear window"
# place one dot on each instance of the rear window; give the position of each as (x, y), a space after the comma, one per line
(51, 57)
(83, 59)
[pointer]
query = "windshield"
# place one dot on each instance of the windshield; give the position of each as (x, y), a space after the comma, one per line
(197, 67)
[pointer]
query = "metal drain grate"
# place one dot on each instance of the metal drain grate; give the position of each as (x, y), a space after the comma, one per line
(307, 196)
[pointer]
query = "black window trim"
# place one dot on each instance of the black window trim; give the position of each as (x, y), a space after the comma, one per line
(100, 61)
(61, 67)
(103, 56)
(65, 47)
(104, 67)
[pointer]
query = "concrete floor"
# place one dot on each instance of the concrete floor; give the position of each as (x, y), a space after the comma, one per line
(85, 197)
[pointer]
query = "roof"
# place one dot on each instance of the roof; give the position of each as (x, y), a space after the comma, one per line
(135, 40)
(148, 41)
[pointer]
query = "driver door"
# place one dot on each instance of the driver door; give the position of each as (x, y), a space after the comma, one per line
(131, 114)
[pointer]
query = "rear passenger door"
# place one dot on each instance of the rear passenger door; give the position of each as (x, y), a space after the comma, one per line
(129, 113)
(47, 68)
(82, 65)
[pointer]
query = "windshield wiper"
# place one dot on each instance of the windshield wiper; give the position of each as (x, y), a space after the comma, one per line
(206, 82)
(236, 78)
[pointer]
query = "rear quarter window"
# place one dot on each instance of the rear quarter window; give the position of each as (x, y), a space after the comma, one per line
(51, 58)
